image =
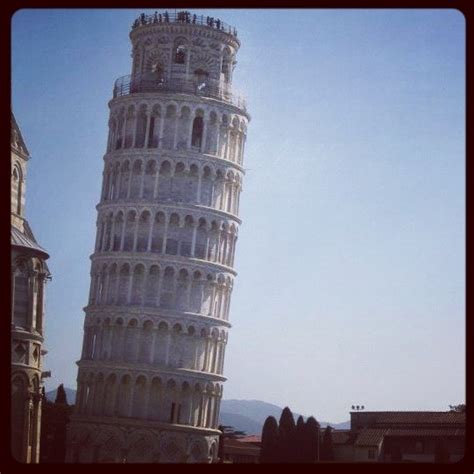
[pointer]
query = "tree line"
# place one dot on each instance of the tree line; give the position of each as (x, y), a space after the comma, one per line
(289, 442)
(54, 419)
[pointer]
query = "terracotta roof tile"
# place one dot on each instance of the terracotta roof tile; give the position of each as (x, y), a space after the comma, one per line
(415, 417)
(370, 437)
(426, 432)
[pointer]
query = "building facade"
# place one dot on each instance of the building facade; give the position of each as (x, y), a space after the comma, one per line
(402, 436)
(28, 278)
(150, 377)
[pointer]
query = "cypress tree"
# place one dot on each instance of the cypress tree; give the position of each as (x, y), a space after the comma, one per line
(312, 440)
(286, 430)
(327, 448)
(299, 442)
(61, 397)
(269, 446)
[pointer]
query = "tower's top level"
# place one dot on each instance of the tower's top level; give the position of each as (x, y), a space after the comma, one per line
(182, 53)
(184, 17)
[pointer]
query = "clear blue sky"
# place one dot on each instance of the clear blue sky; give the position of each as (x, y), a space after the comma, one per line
(351, 285)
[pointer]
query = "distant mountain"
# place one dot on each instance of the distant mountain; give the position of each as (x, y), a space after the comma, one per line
(240, 422)
(254, 409)
(258, 411)
(243, 415)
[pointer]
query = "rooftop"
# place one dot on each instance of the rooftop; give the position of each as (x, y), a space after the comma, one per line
(370, 437)
(422, 417)
(26, 239)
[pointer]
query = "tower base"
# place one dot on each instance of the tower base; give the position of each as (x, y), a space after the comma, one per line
(115, 440)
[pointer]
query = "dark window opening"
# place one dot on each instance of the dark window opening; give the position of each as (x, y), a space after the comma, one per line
(151, 143)
(157, 72)
(198, 127)
(201, 79)
(180, 55)
(173, 407)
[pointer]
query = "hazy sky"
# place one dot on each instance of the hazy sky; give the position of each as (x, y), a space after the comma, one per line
(350, 259)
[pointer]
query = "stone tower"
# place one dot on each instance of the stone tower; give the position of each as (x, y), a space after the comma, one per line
(151, 372)
(28, 277)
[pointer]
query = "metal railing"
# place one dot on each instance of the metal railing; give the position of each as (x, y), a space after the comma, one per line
(186, 18)
(125, 85)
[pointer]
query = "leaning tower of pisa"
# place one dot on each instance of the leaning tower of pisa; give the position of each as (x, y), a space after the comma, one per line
(150, 376)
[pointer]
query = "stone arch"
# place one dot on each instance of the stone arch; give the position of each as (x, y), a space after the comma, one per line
(124, 281)
(117, 335)
(206, 186)
(159, 357)
(152, 282)
(197, 286)
(129, 234)
(149, 179)
(197, 129)
(184, 411)
(118, 227)
(153, 137)
(182, 286)
(146, 341)
(186, 236)
(167, 288)
(179, 182)
(170, 401)
(136, 179)
(129, 126)
(165, 180)
(158, 232)
(140, 130)
(124, 394)
(143, 231)
(169, 126)
(125, 172)
(172, 238)
(112, 283)
(139, 394)
(201, 239)
(155, 401)
(184, 123)
(180, 50)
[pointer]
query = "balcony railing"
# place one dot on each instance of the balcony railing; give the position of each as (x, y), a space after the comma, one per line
(125, 85)
(184, 17)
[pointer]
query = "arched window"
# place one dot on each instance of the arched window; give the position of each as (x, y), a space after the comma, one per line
(21, 296)
(180, 54)
(16, 189)
(198, 127)
(158, 72)
(201, 79)
(226, 65)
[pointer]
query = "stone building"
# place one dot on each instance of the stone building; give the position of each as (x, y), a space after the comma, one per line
(28, 277)
(150, 377)
(401, 436)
